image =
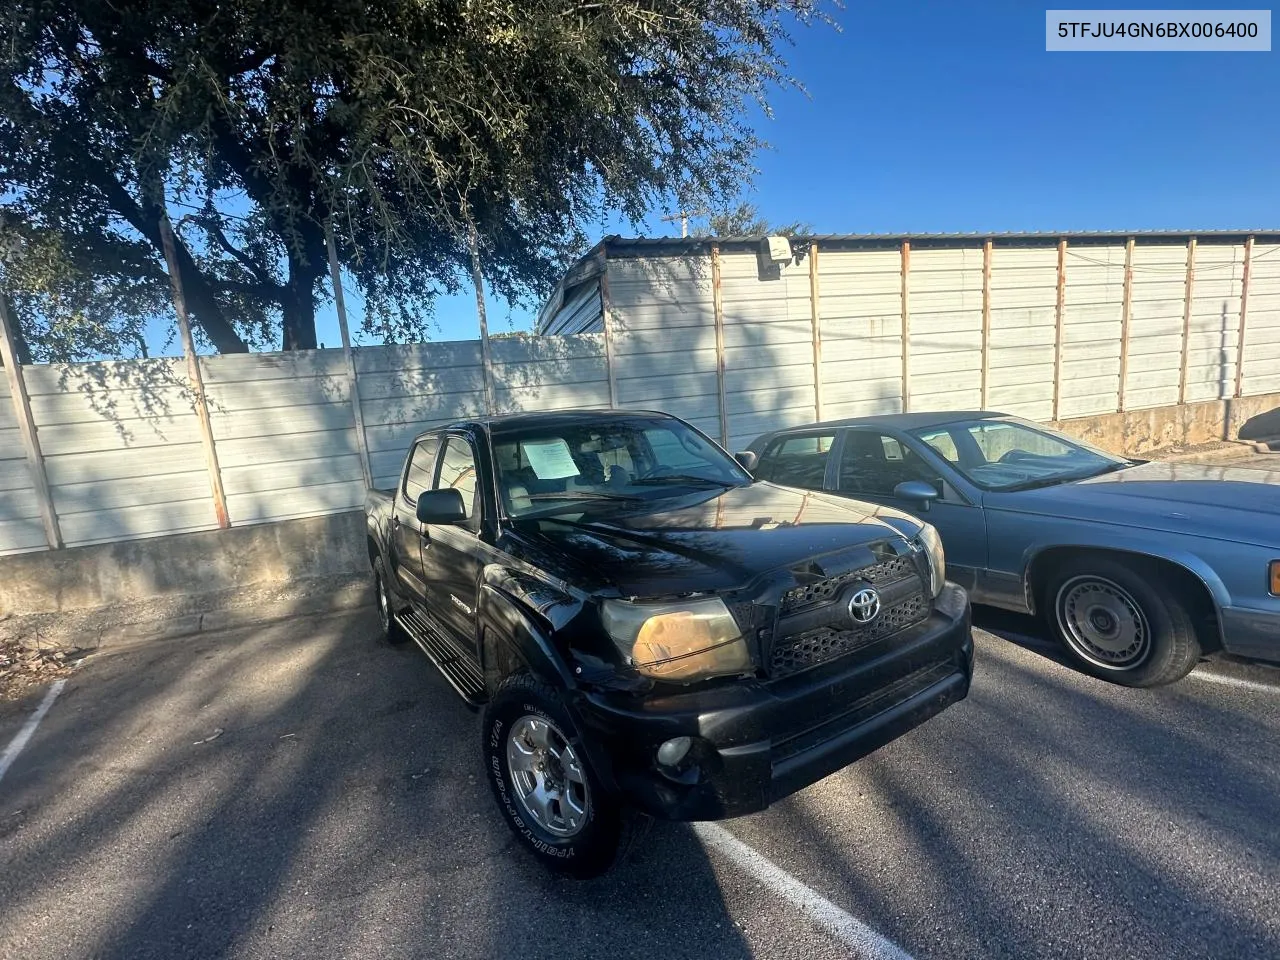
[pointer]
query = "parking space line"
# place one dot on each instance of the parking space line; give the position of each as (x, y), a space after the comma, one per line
(20, 740)
(1236, 682)
(849, 930)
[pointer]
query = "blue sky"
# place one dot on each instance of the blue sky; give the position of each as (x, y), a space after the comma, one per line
(952, 117)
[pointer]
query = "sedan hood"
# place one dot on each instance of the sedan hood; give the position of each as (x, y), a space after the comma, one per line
(710, 540)
(1239, 504)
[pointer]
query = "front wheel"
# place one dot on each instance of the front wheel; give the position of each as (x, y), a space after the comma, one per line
(545, 788)
(392, 632)
(1121, 622)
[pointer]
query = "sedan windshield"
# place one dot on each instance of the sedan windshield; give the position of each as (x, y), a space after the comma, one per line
(574, 466)
(1011, 455)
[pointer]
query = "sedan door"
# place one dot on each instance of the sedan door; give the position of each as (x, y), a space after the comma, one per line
(872, 464)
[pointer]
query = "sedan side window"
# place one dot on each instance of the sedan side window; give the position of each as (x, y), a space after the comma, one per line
(797, 461)
(873, 464)
(418, 477)
(458, 472)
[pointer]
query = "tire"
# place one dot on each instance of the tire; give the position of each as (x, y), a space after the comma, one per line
(577, 830)
(1120, 622)
(391, 631)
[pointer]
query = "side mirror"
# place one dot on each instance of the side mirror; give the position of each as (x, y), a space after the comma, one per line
(747, 459)
(441, 506)
(917, 490)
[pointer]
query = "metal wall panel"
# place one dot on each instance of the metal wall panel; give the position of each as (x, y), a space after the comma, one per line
(1024, 294)
(1093, 297)
(121, 444)
(20, 525)
(861, 305)
(945, 300)
(1215, 321)
(1261, 362)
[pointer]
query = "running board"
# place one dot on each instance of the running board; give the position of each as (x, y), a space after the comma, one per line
(460, 669)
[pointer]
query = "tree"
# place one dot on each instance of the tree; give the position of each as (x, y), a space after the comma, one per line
(410, 125)
(742, 220)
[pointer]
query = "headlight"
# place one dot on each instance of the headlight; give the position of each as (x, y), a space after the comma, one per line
(932, 544)
(680, 641)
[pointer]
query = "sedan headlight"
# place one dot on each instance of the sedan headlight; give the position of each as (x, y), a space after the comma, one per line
(932, 544)
(680, 641)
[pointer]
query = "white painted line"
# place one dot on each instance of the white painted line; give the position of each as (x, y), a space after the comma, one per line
(1236, 682)
(850, 931)
(18, 742)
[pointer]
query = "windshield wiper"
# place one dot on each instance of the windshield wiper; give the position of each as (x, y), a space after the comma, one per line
(1062, 478)
(682, 478)
(582, 495)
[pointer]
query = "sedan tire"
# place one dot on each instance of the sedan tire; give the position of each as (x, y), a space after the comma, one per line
(1122, 621)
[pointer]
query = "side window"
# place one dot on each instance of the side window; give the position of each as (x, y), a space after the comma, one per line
(873, 464)
(797, 461)
(943, 443)
(458, 472)
(418, 477)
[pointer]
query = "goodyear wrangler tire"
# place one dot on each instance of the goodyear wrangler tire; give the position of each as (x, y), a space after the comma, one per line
(543, 783)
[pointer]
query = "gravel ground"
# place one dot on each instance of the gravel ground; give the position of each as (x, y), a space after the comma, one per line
(339, 812)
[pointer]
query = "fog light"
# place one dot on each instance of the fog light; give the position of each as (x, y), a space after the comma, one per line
(1275, 577)
(673, 751)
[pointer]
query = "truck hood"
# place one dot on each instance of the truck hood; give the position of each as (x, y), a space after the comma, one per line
(710, 540)
(1226, 503)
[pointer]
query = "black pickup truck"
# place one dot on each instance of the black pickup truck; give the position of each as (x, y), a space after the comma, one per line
(648, 628)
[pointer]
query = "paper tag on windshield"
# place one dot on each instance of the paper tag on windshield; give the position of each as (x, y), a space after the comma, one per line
(550, 459)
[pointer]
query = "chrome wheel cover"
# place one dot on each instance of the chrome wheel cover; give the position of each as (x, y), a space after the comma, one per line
(547, 776)
(1103, 623)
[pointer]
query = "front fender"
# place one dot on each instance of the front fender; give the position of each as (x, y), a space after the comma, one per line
(1138, 545)
(516, 626)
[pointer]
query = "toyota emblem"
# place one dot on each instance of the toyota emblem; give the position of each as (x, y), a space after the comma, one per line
(864, 605)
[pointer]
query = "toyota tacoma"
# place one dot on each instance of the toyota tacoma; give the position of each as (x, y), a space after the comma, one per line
(650, 630)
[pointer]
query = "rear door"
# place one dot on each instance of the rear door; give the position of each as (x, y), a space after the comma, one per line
(874, 462)
(452, 554)
(406, 531)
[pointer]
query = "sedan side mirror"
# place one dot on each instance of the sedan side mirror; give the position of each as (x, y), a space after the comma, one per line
(747, 459)
(917, 490)
(441, 506)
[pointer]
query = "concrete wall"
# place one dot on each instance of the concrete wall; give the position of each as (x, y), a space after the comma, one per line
(186, 583)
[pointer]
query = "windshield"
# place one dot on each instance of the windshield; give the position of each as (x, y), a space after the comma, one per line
(1010, 455)
(563, 468)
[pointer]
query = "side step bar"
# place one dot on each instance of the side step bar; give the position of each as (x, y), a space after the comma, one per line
(458, 667)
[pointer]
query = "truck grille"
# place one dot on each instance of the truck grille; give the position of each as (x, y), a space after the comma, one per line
(820, 628)
(804, 650)
(888, 571)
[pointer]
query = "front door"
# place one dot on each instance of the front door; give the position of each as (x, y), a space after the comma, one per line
(452, 553)
(406, 531)
(873, 463)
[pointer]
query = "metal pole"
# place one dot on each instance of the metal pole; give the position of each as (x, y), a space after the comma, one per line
(986, 323)
(606, 318)
(1244, 312)
(1188, 287)
(815, 318)
(906, 328)
(477, 280)
(717, 300)
(27, 427)
(1058, 316)
(196, 378)
(1126, 311)
(353, 384)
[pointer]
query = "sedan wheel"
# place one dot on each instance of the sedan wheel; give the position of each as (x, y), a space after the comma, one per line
(1103, 623)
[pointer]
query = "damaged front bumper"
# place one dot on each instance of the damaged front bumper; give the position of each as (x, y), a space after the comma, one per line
(755, 742)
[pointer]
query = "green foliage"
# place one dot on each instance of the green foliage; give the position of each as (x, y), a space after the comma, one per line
(742, 220)
(408, 123)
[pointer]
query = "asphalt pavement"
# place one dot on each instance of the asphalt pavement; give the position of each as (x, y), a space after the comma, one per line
(302, 790)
